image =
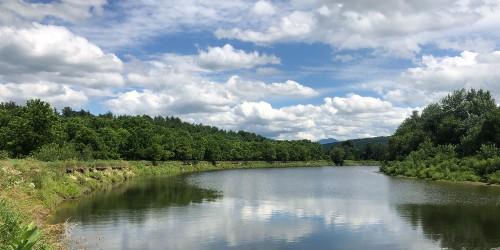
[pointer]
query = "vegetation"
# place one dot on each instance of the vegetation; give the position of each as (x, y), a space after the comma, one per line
(374, 149)
(13, 233)
(456, 139)
(42, 132)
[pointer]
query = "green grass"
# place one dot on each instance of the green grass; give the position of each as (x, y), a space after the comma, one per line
(361, 163)
(15, 233)
(474, 169)
(30, 190)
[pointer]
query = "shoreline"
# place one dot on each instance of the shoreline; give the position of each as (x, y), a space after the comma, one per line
(32, 189)
(467, 183)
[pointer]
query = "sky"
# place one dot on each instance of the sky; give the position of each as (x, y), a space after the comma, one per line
(296, 69)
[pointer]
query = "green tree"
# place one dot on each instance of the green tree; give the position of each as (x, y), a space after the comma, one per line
(337, 155)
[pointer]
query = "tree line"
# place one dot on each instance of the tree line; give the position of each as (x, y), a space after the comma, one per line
(40, 131)
(457, 138)
(358, 150)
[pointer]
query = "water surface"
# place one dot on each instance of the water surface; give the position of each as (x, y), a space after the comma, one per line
(295, 208)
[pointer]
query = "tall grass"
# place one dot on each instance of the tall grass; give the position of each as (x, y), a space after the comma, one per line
(15, 233)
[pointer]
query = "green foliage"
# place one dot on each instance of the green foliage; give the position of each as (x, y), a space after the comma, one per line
(489, 151)
(56, 152)
(337, 155)
(494, 178)
(459, 119)
(4, 154)
(456, 139)
(29, 237)
(374, 149)
(37, 130)
(14, 234)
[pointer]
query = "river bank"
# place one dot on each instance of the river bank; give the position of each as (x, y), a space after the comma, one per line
(31, 190)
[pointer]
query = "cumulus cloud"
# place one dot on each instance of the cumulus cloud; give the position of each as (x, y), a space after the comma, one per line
(188, 94)
(254, 90)
(332, 118)
(186, 78)
(298, 25)
(396, 27)
(57, 94)
(435, 77)
(226, 58)
(136, 21)
(263, 8)
(339, 117)
(54, 53)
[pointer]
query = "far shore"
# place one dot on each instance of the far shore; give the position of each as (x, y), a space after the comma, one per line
(470, 183)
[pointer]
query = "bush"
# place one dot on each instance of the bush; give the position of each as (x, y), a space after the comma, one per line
(494, 178)
(4, 155)
(56, 152)
(489, 151)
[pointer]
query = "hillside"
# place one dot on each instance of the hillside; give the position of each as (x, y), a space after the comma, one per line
(327, 141)
(360, 142)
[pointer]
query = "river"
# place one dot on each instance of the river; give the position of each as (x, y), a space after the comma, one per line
(290, 208)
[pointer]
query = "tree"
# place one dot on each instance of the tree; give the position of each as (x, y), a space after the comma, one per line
(456, 119)
(490, 129)
(38, 129)
(337, 155)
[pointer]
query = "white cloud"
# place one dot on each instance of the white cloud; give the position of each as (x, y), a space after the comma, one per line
(264, 8)
(255, 90)
(17, 11)
(227, 58)
(358, 104)
(435, 77)
(136, 21)
(339, 117)
(396, 27)
(185, 78)
(57, 94)
(53, 53)
(298, 25)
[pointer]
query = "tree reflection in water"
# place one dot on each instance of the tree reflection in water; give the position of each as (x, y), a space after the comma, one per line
(149, 194)
(456, 226)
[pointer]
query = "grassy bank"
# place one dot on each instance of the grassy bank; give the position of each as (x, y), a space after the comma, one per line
(470, 169)
(361, 163)
(31, 190)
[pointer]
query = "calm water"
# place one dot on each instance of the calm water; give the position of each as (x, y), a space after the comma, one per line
(296, 208)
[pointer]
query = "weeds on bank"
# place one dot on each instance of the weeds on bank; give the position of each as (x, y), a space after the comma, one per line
(15, 234)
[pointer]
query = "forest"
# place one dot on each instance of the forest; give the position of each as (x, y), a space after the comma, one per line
(375, 149)
(39, 131)
(457, 139)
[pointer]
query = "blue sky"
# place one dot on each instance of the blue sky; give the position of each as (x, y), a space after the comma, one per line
(284, 69)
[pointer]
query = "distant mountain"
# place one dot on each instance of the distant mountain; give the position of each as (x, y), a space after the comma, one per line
(327, 141)
(361, 142)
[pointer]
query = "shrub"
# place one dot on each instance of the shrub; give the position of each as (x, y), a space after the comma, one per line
(56, 152)
(489, 151)
(4, 155)
(494, 178)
